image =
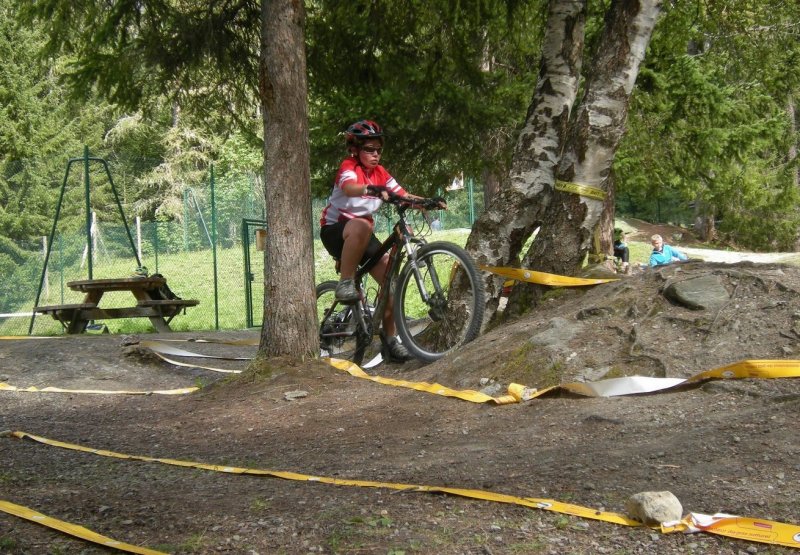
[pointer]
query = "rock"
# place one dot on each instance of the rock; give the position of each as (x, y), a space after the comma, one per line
(558, 332)
(493, 390)
(129, 340)
(654, 507)
(704, 292)
(297, 394)
(594, 312)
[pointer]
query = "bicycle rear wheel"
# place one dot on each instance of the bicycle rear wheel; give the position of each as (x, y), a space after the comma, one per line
(442, 308)
(345, 330)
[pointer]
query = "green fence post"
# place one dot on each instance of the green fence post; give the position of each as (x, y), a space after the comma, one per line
(155, 242)
(186, 220)
(61, 263)
(471, 202)
(214, 249)
(88, 209)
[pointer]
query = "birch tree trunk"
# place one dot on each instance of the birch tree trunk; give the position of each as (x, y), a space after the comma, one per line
(515, 212)
(290, 321)
(569, 220)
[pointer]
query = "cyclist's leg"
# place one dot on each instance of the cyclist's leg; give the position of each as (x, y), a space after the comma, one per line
(393, 350)
(357, 234)
(378, 272)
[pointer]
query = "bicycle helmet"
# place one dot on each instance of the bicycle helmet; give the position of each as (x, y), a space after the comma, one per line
(362, 130)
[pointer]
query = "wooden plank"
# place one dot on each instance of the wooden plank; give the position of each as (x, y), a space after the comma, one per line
(117, 284)
(63, 307)
(169, 302)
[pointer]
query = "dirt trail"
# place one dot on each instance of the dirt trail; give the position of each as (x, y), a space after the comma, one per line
(723, 446)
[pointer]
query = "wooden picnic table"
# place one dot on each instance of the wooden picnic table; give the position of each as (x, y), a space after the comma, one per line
(149, 303)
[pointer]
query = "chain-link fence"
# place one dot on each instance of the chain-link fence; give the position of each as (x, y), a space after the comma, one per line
(209, 253)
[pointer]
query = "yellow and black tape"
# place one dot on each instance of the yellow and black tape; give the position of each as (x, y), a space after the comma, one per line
(580, 189)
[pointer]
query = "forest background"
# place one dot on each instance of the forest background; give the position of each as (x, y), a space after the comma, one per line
(711, 139)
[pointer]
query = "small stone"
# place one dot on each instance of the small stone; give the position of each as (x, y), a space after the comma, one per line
(297, 394)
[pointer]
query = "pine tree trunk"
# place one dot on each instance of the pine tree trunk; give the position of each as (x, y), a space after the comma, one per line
(491, 185)
(515, 212)
(290, 320)
(791, 114)
(567, 226)
(704, 220)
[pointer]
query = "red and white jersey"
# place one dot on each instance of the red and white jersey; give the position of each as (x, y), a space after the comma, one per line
(342, 208)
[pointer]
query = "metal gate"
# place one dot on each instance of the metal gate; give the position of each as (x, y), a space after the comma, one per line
(253, 266)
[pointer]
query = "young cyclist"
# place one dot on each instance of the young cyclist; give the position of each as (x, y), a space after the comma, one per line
(347, 221)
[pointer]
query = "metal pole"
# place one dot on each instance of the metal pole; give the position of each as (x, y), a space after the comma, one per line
(88, 209)
(186, 220)
(50, 242)
(155, 242)
(61, 263)
(139, 237)
(471, 202)
(214, 249)
(46, 273)
(248, 295)
(121, 211)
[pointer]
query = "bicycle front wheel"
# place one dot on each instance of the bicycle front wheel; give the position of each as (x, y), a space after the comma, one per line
(439, 301)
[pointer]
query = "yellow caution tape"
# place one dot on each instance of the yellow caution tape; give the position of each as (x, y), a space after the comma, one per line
(516, 392)
(579, 189)
(14, 337)
(752, 369)
(757, 530)
(32, 389)
(531, 502)
(543, 278)
(630, 385)
(72, 529)
(742, 528)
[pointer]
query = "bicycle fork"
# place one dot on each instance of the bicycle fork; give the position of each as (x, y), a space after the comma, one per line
(433, 301)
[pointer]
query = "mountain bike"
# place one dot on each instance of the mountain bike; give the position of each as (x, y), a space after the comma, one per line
(438, 296)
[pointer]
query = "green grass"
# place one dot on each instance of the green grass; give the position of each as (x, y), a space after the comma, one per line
(191, 276)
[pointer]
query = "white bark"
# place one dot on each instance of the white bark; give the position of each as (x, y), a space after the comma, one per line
(604, 110)
(594, 135)
(503, 228)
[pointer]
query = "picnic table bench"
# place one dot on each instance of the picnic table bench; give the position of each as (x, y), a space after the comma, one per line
(149, 303)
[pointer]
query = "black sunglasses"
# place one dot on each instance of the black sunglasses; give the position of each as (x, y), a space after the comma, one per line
(372, 149)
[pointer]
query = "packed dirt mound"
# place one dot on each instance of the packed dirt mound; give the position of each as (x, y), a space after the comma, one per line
(630, 327)
(723, 446)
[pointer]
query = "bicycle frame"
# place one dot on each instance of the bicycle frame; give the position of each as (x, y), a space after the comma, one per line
(397, 244)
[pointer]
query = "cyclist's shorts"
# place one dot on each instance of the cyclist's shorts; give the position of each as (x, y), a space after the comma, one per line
(333, 240)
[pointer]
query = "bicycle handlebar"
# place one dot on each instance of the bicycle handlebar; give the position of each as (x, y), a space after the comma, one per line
(397, 200)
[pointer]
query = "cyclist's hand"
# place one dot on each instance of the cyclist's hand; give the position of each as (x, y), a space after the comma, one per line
(375, 191)
(441, 202)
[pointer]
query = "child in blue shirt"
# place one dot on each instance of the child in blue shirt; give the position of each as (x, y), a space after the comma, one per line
(662, 253)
